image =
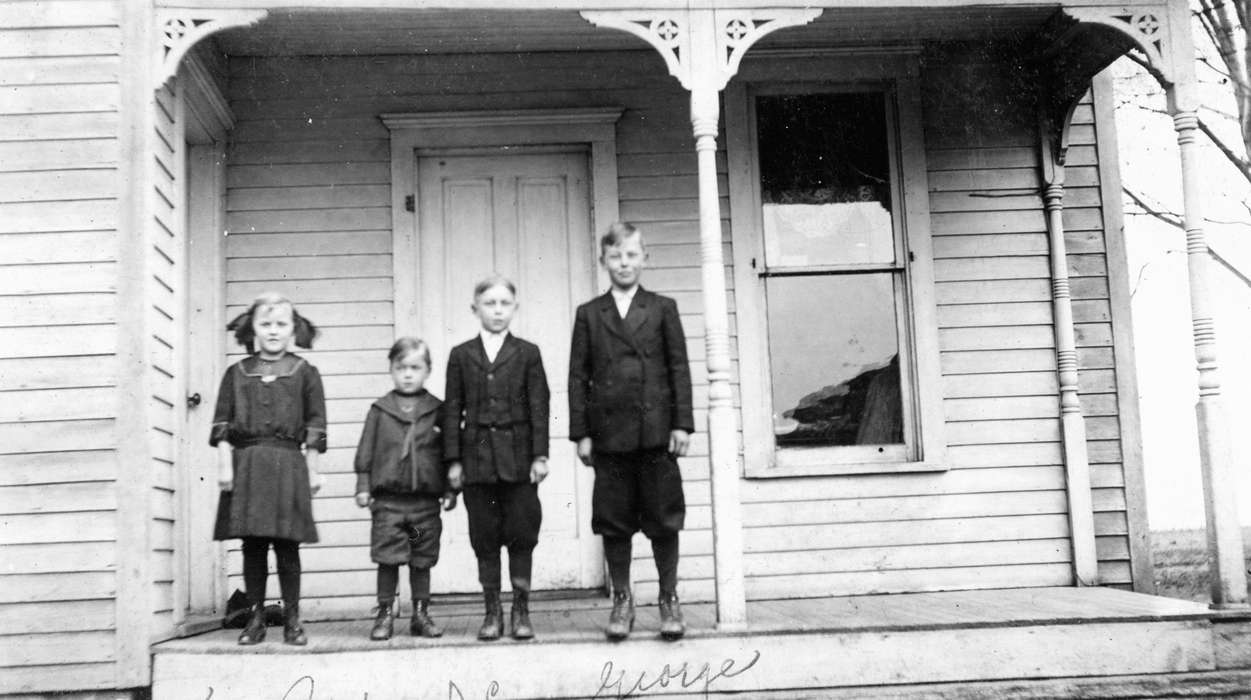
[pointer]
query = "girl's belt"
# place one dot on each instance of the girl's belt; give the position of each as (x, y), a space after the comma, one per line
(287, 443)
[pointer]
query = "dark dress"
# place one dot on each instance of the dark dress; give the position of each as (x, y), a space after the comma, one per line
(266, 411)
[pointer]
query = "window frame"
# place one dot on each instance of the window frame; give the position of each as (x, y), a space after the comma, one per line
(896, 76)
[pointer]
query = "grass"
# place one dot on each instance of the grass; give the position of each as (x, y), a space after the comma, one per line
(1180, 559)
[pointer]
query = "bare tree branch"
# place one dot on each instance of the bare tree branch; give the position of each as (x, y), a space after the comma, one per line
(1175, 220)
(1239, 162)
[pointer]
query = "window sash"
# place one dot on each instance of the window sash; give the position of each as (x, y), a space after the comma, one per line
(920, 373)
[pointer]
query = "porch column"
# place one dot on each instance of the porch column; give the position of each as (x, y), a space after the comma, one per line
(727, 514)
(1073, 425)
(1228, 577)
(703, 49)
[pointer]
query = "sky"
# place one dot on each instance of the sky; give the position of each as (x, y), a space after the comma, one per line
(1161, 302)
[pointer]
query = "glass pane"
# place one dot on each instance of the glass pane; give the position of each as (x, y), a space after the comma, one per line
(834, 351)
(825, 179)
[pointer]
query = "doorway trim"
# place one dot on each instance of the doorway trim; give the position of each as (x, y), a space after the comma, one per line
(593, 126)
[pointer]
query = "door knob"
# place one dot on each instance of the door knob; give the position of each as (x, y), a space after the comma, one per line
(193, 400)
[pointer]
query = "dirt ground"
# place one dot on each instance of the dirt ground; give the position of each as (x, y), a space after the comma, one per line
(1180, 561)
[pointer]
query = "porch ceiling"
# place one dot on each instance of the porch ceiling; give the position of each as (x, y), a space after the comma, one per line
(374, 32)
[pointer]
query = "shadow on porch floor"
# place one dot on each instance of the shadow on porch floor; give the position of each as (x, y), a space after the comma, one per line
(1040, 642)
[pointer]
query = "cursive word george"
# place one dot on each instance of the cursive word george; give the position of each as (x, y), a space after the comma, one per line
(613, 683)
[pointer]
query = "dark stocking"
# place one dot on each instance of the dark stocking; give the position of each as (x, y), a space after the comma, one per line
(519, 570)
(489, 572)
(617, 552)
(287, 552)
(255, 568)
(665, 552)
(419, 582)
(388, 580)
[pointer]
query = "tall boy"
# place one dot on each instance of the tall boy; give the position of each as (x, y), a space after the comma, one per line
(630, 414)
(495, 439)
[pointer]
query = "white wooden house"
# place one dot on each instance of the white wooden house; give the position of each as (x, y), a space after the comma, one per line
(872, 213)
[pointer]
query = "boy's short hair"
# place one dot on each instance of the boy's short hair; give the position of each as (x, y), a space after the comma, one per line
(494, 281)
(408, 344)
(617, 233)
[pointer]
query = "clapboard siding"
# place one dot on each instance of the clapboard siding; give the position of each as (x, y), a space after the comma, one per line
(59, 63)
(309, 214)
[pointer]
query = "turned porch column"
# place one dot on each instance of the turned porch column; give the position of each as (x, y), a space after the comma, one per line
(702, 49)
(1072, 424)
(1228, 577)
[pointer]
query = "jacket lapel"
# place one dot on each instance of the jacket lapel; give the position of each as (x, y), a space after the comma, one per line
(637, 314)
(612, 320)
(478, 352)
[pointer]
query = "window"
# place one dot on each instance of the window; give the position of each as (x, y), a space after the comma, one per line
(832, 300)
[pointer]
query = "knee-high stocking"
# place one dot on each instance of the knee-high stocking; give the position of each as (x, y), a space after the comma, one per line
(617, 552)
(287, 552)
(665, 552)
(419, 582)
(255, 568)
(388, 580)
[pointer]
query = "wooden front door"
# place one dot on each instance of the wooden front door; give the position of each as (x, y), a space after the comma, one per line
(526, 216)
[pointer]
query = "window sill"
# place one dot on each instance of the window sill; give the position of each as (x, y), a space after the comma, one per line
(811, 467)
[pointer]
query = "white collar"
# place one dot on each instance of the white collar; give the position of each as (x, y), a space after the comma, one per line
(626, 295)
(489, 337)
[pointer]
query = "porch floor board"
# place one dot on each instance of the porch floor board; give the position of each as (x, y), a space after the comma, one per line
(1044, 642)
(583, 619)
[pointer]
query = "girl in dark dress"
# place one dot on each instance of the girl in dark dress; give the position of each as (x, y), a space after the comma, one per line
(269, 427)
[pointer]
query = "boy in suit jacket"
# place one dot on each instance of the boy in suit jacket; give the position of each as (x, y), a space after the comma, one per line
(495, 439)
(630, 414)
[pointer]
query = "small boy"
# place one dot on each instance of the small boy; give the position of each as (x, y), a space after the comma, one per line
(400, 478)
(495, 437)
(630, 415)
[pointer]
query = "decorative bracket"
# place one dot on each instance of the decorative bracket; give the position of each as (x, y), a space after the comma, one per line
(672, 34)
(178, 30)
(1147, 27)
(1055, 123)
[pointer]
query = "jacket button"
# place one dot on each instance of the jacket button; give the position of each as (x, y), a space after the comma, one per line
(490, 375)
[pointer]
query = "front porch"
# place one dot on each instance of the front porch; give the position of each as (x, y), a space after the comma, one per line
(1048, 642)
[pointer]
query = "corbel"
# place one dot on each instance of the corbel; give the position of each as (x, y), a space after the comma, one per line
(179, 29)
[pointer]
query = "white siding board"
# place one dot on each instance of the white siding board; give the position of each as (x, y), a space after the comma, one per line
(56, 310)
(61, 153)
(60, 41)
(51, 405)
(30, 70)
(55, 558)
(58, 279)
(57, 467)
(34, 248)
(44, 126)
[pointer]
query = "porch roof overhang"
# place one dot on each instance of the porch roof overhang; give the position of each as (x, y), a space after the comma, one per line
(380, 28)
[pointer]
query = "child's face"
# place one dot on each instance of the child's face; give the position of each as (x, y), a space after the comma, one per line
(625, 261)
(495, 308)
(410, 372)
(273, 326)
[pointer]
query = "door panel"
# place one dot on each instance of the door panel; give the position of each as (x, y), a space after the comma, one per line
(527, 217)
